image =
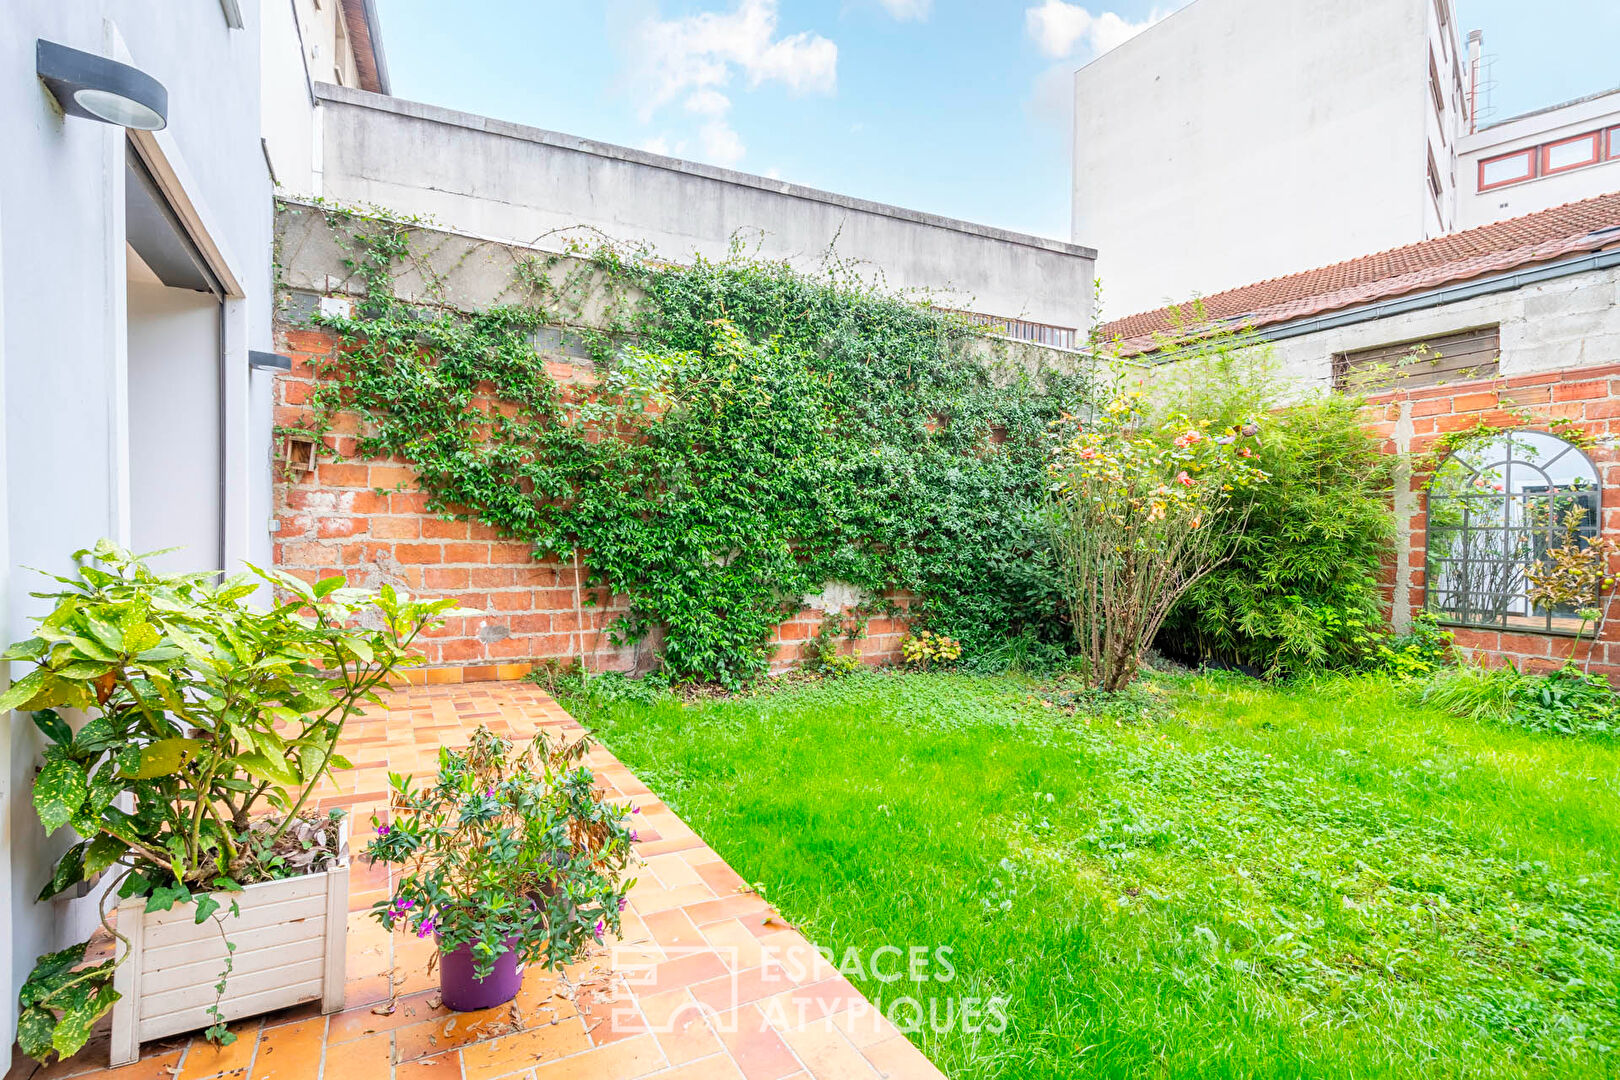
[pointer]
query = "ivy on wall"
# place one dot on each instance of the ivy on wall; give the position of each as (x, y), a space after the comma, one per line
(752, 433)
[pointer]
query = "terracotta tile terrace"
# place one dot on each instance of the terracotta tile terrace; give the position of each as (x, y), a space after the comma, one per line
(707, 982)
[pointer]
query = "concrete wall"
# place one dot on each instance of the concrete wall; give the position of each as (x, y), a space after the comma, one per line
(513, 183)
(287, 107)
(1568, 322)
(62, 264)
(1238, 140)
(1475, 207)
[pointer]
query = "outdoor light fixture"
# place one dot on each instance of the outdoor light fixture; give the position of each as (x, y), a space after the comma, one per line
(95, 87)
(268, 361)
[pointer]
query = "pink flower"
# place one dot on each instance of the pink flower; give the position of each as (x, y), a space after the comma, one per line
(1189, 439)
(1244, 451)
(1184, 479)
(426, 928)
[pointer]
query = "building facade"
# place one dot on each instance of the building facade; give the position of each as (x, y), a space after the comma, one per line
(1237, 140)
(1539, 160)
(135, 281)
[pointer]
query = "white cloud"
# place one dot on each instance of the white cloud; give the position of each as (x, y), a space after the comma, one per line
(1062, 29)
(658, 144)
(709, 49)
(707, 103)
(906, 10)
(720, 144)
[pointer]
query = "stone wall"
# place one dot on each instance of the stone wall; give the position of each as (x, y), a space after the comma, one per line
(1411, 421)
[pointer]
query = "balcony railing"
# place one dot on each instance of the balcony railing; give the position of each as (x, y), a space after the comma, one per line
(1058, 337)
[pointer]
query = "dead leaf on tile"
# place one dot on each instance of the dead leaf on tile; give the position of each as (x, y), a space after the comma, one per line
(434, 1000)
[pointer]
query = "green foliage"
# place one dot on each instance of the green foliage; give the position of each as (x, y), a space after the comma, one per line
(1424, 649)
(822, 655)
(201, 710)
(1300, 590)
(755, 434)
(505, 845)
(1142, 508)
(1562, 702)
(926, 649)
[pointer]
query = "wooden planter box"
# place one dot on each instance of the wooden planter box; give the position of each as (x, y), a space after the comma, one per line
(289, 942)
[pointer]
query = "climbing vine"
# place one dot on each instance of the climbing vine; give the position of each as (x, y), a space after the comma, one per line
(743, 434)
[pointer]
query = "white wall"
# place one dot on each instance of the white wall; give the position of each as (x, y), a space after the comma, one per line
(63, 272)
(513, 183)
(1238, 140)
(174, 427)
(1477, 207)
(287, 108)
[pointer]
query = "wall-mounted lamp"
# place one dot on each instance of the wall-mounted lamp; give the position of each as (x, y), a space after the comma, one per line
(268, 361)
(97, 88)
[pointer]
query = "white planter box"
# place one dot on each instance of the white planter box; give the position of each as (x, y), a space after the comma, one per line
(289, 942)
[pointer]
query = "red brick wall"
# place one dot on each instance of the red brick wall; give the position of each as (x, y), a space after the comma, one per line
(367, 521)
(1588, 397)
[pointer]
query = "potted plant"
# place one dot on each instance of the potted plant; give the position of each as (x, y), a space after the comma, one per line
(200, 725)
(509, 858)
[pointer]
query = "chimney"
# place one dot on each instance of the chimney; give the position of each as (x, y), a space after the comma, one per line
(1476, 48)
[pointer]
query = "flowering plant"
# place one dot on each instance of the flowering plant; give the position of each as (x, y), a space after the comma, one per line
(507, 851)
(1141, 509)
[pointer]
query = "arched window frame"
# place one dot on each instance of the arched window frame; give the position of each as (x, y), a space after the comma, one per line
(1470, 610)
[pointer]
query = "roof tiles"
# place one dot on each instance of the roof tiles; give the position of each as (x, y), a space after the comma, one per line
(1490, 249)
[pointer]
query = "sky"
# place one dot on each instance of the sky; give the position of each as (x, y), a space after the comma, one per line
(958, 107)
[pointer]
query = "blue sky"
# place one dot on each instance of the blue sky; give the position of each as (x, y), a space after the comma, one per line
(952, 106)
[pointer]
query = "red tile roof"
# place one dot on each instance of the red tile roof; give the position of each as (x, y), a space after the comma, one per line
(1482, 252)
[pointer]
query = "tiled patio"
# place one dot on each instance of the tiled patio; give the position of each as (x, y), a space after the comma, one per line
(707, 983)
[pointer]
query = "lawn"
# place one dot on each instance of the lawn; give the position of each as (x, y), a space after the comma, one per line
(1211, 877)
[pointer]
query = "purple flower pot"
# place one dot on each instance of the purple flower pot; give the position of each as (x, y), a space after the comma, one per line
(464, 991)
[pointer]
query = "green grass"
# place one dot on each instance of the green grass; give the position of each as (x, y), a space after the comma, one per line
(1216, 878)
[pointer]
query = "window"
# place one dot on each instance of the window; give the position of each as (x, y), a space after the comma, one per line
(1434, 88)
(1570, 154)
(1468, 354)
(1614, 143)
(1434, 179)
(1497, 507)
(1507, 169)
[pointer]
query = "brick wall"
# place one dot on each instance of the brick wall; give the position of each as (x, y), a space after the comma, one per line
(367, 521)
(1412, 420)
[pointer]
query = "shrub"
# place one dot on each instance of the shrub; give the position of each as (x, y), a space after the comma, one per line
(1141, 509)
(1300, 590)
